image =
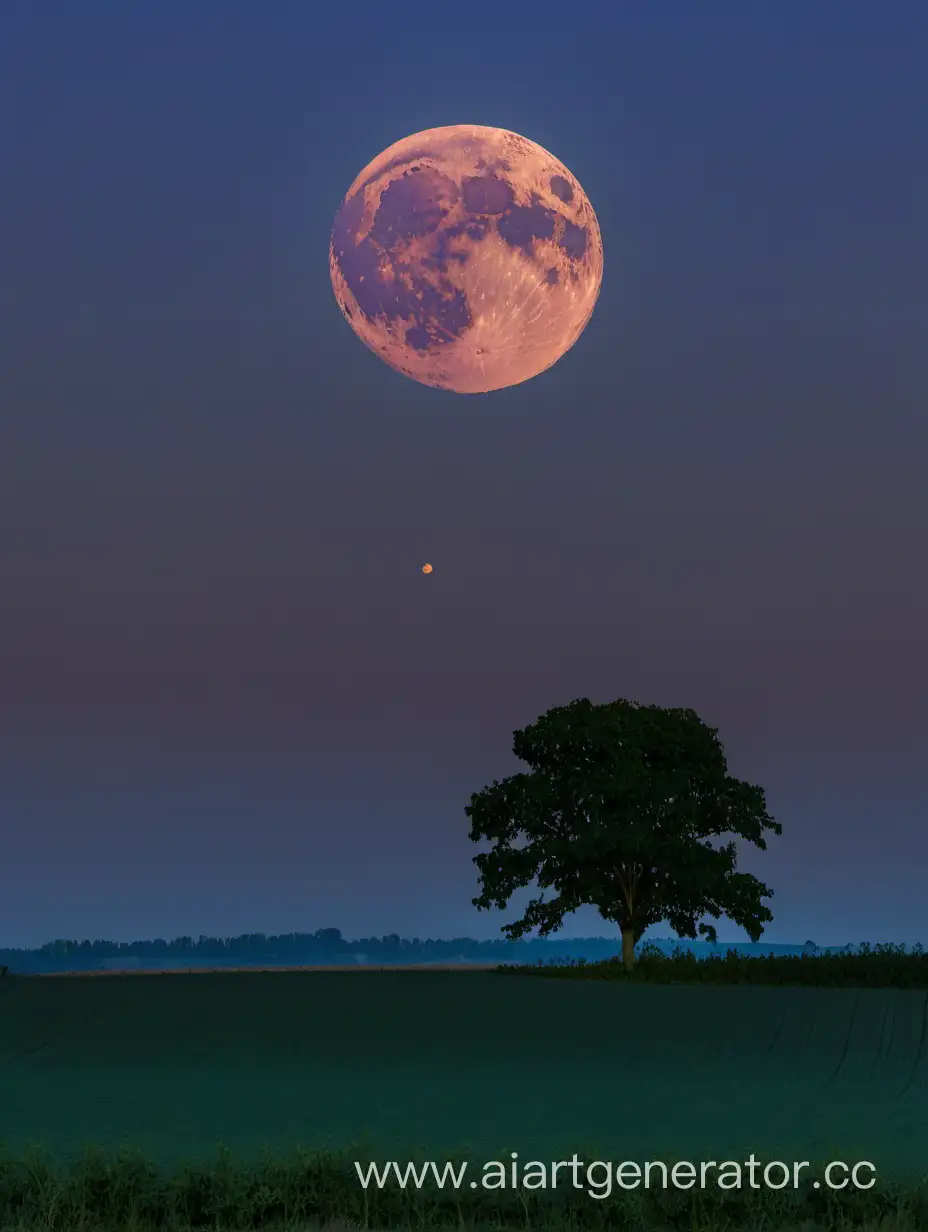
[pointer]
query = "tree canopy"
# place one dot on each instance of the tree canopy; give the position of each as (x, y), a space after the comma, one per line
(622, 808)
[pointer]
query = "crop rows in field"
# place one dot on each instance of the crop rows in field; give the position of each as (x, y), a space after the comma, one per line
(436, 1060)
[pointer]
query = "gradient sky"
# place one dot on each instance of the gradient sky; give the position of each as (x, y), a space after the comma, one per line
(229, 700)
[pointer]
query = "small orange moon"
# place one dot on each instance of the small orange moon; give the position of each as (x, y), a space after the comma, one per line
(468, 258)
(426, 568)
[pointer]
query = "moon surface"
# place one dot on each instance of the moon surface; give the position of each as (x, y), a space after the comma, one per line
(468, 258)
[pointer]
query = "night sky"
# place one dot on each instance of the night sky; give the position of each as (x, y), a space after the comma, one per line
(229, 699)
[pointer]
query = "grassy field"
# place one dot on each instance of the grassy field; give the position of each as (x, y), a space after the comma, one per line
(436, 1064)
(436, 1061)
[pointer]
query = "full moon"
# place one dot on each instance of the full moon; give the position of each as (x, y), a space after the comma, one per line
(468, 258)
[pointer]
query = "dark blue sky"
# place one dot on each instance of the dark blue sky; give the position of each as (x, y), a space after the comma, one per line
(229, 701)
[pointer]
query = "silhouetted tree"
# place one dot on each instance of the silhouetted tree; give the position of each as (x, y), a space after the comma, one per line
(618, 811)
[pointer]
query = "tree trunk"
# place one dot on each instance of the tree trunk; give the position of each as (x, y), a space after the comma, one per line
(628, 949)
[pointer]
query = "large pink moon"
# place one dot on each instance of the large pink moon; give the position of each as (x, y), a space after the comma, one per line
(468, 258)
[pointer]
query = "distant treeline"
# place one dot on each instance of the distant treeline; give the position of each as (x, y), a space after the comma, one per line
(326, 945)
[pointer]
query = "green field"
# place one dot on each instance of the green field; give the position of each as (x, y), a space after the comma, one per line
(440, 1062)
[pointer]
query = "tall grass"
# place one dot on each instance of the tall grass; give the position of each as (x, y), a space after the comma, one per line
(301, 1191)
(866, 966)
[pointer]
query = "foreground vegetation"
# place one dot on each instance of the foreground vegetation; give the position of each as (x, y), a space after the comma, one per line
(302, 1191)
(879, 966)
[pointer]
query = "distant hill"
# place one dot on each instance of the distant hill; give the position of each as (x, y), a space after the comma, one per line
(327, 945)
